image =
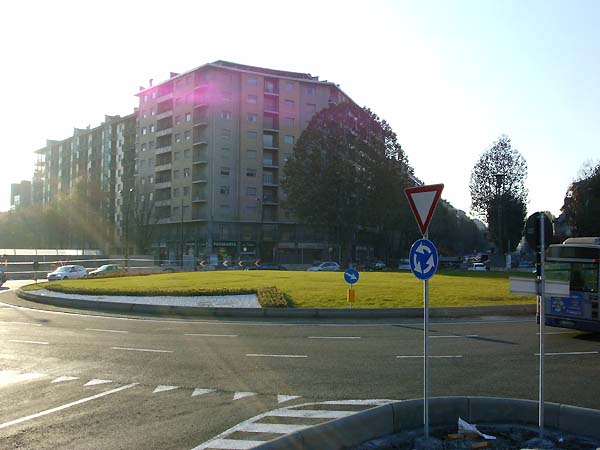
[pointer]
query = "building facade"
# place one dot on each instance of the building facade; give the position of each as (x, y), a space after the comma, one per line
(20, 194)
(212, 143)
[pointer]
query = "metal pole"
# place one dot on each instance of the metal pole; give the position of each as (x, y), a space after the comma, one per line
(426, 354)
(542, 324)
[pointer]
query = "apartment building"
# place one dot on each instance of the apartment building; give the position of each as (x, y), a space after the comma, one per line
(20, 194)
(97, 160)
(211, 146)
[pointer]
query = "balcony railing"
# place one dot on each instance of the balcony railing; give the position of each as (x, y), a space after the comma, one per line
(164, 115)
(164, 132)
(165, 149)
(161, 167)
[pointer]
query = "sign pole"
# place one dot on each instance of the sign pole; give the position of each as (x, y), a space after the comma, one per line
(426, 354)
(542, 323)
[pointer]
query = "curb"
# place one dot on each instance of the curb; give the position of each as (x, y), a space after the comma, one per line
(279, 313)
(444, 411)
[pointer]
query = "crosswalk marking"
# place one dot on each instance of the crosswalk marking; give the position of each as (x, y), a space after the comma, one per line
(199, 391)
(95, 382)
(276, 428)
(163, 388)
(286, 398)
(239, 395)
(61, 379)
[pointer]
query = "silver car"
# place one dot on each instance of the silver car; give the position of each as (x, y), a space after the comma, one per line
(326, 266)
(69, 272)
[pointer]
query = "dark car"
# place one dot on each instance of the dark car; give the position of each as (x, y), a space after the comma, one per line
(105, 270)
(271, 266)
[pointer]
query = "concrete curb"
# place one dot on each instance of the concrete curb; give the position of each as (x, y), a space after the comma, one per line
(279, 313)
(444, 411)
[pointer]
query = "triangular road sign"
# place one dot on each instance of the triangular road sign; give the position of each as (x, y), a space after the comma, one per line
(422, 201)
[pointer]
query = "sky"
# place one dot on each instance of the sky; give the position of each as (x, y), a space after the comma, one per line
(450, 77)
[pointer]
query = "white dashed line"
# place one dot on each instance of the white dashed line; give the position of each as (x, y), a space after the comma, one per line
(142, 350)
(431, 356)
(286, 398)
(567, 353)
(106, 331)
(61, 379)
(258, 355)
(455, 336)
(18, 341)
(333, 337)
(239, 395)
(68, 405)
(163, 388)
(546, 333)
(96, 382)
(211, 335)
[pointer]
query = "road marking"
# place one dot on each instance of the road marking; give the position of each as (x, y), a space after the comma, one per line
(567, 353)
(199, 391)
(276, 428)
(163, 388)
(559, 332)
(333, 337)
(286, 398)
(106, 331)
(18, 341)
(142, 350)
(22, 323)
(239, 395)
(258, 355)
(68, 405)
(95, 382)
(61, 379)
(232, 444)
(310, 413)
(211, 335)
(431, 356)
(11, 376)
(456, 336)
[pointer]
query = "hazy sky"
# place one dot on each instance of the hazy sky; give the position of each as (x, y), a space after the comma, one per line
(449, 76)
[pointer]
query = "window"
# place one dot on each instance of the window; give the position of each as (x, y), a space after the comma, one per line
(188, 117)
(252, 81)
(177, 137)
(186, 173)
(152, 112)
(225, 171)
(186, 191)
(177, 120)
(176, 192)
(151, 128)
(224, 190)
(150, 179)
(225, 134)
(226, 115)
(289, 105)
(145, 98)
(187, 153)
(143, 147)
(310, 90)
(176, 210)
(251, 191)
(252, 135)
(144, 130)
(251, 154)
(187, 135)
(252, 118)
(252, 99)
(177, 174)
(311, 107)
(251, 172)
(186, 211)
(286, 157)
(289, 86)
(142, 163)
(288, 139)
(176, 156)
(143, 180)
(289, 122)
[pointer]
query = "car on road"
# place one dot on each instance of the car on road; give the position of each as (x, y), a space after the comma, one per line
(2, 277)
(106, 269)
(477, 267)
(68, 272)
(271, 266)
(404, 264)
(329, 266)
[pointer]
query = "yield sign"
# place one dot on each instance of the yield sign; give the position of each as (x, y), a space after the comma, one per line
(422, 201)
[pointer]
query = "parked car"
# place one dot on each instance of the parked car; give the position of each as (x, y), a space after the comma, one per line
(271, 266)
(69, 272)
(478, 267)
(106, 269)
(170, 267)
(2, 277)
(404, 265)
(329, 266)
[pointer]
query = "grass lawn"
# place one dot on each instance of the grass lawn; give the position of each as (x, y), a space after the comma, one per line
(321, 289)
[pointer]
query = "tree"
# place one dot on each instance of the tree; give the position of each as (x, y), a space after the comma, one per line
(346, 175)
(582, 202)
(498, 192)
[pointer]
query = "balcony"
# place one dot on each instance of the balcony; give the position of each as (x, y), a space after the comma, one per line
(164, 115)
(200, 161)
(163, 220)
(199, 199)
(161, 167)
(271, 108)
(164, 132)
(199, 179)
(162, 184)
(201, 102)
(164, 97)
(159, 203)
(200, 140)
(202, 122)
(270, 164)
(165, 149)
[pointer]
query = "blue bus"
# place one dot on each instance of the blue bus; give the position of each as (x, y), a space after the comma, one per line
(577, 261)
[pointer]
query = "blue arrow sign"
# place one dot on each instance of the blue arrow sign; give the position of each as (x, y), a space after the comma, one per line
(351, 276)
(423, 259)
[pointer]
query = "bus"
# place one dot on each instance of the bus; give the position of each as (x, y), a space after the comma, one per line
(576, 260)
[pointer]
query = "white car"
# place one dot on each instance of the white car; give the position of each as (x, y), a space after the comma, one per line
(69, 272)
(326, 266)
(477, 267)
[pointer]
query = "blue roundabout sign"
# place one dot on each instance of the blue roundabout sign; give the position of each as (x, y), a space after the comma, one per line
(423, 259)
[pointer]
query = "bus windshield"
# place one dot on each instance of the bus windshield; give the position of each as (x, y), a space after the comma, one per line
(582, 277)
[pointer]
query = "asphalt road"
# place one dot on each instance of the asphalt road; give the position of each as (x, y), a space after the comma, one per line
(82, 381)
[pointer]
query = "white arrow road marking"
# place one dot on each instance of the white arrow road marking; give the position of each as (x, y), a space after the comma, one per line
(239, 395)
(95, 382)
(68, 405)
(286, 398)
(164, 388)
(61, 379)
(199, 391)
(11, 376)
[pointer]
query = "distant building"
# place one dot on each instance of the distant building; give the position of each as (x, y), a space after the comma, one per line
(20, 194)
